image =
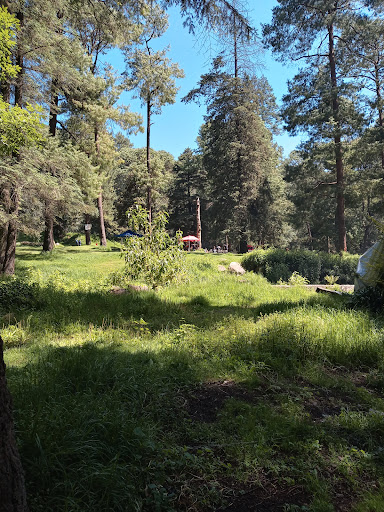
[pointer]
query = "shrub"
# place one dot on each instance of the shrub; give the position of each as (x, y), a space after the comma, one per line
(371, 298)
(277, 264)
(297, 280)
(17, 294)
(154, 257)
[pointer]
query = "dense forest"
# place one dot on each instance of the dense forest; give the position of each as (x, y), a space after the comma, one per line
(66, 155)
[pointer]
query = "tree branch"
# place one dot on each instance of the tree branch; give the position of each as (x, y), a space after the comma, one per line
(322, 183)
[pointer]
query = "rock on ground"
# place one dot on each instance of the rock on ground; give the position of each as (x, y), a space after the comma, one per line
(236, 268)
(116, 290)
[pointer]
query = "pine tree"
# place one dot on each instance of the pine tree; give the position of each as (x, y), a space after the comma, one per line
(130, 180)
(237, 154)
(309, 32)
(153, 75)
(188, 184)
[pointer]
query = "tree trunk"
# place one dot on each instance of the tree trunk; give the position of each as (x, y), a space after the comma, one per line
(9, 232)
(49, 242)
(19, 61)
(198, 223)
(13, 497)
(310, 238)
(380, 111)
(88, 231)
(3, 244)
(149, 171)
(53, 109)
(103, 238)
(243, 246)
(340, 210)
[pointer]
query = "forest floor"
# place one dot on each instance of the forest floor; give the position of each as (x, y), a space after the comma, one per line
(220, 393)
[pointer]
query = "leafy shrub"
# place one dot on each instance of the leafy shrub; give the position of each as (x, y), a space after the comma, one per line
(276, 272)
(297, 280)
(331, 280)
(154, 257)
(371, 298)
(17, 294)
(277, 264)
(344, 266)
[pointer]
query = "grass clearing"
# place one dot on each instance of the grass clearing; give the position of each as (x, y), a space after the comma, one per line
(221, 393)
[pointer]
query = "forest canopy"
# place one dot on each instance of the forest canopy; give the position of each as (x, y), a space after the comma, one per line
(74, 164)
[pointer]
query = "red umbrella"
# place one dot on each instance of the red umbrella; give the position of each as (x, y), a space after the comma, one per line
(189, 239)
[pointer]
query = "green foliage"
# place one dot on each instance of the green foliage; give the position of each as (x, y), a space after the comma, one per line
(331, 280)
(130, 180)
(295, 280)
(8, 26)
(371, 298)
(16, 294)
(19, 127)
(244, 188)
(155, 257)
(277, 264)
(188, 183)
(156, 401)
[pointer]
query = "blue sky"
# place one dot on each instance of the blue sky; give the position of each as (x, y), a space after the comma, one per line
(178, 125)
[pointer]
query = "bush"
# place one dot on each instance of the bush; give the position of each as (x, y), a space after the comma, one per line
(277, 264)
(17, 294)
(371, 298)
(153, 257)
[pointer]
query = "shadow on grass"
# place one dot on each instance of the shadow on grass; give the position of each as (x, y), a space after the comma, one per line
(101, 429)
(95, 425)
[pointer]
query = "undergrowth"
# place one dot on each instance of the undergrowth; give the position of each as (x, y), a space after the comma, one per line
(222, 391)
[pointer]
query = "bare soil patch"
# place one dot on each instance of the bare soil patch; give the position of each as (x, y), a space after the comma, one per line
(204, 403)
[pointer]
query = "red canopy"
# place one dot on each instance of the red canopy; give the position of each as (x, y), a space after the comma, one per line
(190, 238)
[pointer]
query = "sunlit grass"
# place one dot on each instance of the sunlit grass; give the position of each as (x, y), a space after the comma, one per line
(192, 396)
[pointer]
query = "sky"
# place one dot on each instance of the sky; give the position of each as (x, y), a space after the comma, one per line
(177, 127)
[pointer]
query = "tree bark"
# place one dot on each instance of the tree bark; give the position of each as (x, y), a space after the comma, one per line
(380, 111)
(340, 210)
(9, 232)
(243, 246)
(54, 108)
(103, 238)
(49, 242)
(19, 62)
(198, 223)
(88, 231)
(149, 171)
(13, 497)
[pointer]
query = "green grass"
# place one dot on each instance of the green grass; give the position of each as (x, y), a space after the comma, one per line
(219, 393)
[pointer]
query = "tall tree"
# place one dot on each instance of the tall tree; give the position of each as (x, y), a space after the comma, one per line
(309, 32)
(100, 26)
(362, 47)
(130, 180)
(188, 184)
(153, 75)
(237, 153)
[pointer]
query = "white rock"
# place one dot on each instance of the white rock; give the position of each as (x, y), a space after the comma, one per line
(236, 268)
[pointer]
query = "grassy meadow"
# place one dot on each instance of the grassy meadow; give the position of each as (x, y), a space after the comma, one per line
(219, 393)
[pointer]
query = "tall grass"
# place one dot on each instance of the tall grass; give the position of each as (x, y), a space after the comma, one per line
(193, 397)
